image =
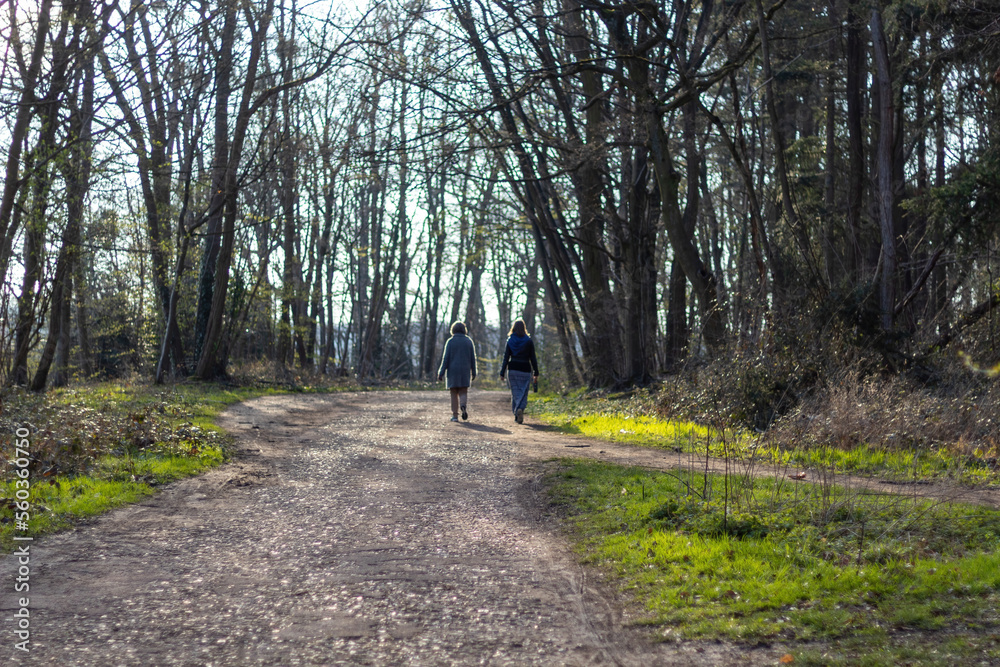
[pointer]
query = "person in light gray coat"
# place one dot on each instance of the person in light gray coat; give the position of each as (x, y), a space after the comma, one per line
(459, 362)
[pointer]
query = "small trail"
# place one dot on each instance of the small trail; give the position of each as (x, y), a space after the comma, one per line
(352, 529)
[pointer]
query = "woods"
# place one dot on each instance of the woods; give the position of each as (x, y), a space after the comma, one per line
(192, 186)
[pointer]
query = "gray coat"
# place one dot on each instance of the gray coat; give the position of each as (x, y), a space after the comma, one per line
(459, 361)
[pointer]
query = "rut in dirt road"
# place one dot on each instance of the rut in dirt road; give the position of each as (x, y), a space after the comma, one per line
(354, 529)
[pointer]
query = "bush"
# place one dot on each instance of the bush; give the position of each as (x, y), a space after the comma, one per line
(960, 414)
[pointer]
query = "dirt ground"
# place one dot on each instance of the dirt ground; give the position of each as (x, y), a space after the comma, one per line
(351, 529)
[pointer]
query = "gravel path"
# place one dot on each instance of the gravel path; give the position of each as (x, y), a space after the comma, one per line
(353, 529)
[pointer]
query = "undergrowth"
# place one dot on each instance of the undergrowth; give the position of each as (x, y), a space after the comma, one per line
(888, 427)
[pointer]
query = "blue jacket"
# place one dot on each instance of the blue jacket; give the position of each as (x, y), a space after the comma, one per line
(519, 355)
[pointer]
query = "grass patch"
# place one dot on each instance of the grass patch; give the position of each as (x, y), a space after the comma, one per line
(65, 502)
(639, 430)
(633, 418)
(768, 561)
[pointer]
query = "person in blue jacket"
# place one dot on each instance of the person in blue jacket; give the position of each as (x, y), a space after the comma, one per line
(459, 362)
(520, 367)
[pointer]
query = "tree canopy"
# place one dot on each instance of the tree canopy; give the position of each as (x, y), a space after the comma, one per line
(195, 184)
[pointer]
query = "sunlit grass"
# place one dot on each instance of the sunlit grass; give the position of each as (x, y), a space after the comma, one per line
(638, 430)
(779, 564)
(629, 423)
(58, 503)
(160, 467)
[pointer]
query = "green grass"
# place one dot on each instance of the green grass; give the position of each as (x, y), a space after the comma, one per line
(647, 431)
(65, 502)
(629, 421)
(761, 561)
(57, 502)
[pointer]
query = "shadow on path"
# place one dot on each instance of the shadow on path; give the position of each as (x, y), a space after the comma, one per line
(485, 429)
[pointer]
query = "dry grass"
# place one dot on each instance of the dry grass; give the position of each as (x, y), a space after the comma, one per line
(897, 414)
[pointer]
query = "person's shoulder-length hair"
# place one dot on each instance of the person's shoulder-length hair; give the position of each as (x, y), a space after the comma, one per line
(458, 328)
(518, 328)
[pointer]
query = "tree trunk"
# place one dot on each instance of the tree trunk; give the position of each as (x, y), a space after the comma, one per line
(475, 313)
(677, 332)
(214, 353)
(885, 158)
(86, 360)
(18, 135)
(600, 309)
(791, 216)
(856, 172)
(639, 253)
(77, 177)
(668, 180)
(536, 198)
(220, 167)
(64, 48)
(61, 294)
(833, 260)
(939, 287)
(401, 321)
(155, 168)
(60, 373)
(34, 247)
(435, 260)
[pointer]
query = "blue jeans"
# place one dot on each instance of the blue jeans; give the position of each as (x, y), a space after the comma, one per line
(520, 382)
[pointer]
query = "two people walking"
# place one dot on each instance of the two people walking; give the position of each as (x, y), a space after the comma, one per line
(519, 368)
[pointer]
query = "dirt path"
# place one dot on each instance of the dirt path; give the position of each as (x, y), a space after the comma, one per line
(353, 529)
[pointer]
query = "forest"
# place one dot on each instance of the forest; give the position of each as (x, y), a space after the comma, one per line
(757, 246)
(788, 188)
